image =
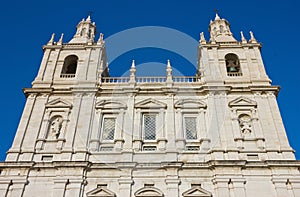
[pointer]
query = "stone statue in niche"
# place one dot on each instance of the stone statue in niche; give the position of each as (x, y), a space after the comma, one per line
(55, 127)
(245, 124)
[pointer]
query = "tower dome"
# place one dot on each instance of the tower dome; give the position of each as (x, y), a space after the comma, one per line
(85, 33)
(219, 30)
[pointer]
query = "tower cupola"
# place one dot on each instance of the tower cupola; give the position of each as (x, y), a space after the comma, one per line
(86, 30)
(219, 30)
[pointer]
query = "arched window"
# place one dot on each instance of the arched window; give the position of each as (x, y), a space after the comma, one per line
(69, 67)
(233, 67)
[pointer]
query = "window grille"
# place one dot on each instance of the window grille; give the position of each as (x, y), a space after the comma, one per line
(108, 128)
(149, 126)
(190, 128)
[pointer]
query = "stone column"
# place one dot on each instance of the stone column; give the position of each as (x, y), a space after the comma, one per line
(43, 131)
(221, 187)
(4, 187)
(74, 188)
(72, 129)
(160, 133)
(125, 186)
(44, 63)
(95, 135)
(280, 187)
(180, 141)
(15, 149)
(119, 131)
(59, 187)
(170, 124)
(295, 184)
(172, 187)
(137, 137)
(18, 187)
(278, 124)
(128, 126)
(239, 187)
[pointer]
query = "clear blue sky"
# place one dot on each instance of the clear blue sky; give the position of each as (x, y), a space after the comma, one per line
(27, 25)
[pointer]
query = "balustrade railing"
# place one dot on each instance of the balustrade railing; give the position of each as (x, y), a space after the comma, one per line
(234, 74)
(150, 79)
(176, 79)
(115, 79)
(67, 75)
(186, 79)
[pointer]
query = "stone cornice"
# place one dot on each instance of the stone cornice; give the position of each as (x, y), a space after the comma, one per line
(73, 46)
(182, 165)
(230, 45)
(205, 89)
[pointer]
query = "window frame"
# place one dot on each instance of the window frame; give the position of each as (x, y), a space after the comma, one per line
(190, 115)
(108, 116)
(143, 126)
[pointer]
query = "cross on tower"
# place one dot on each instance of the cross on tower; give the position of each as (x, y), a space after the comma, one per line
(90, 13)
(216, 11)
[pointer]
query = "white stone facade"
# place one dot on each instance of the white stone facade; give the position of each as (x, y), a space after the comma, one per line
(84, 133)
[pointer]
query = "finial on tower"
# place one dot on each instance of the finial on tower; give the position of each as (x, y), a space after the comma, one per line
(202, 38)
(133, 64)
(252, 38)
(101, 40)
(169, 64)
(169, 73)
(132, 72)
(243, 38)
(51, 41)
(60, 42)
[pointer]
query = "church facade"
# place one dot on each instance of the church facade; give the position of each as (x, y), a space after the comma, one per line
(217, 134)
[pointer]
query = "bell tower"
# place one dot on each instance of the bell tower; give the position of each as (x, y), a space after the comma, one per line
(224, 60)
(77, 63)
(60, 97)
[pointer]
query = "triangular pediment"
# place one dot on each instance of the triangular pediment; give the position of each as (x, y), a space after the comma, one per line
(148, 192)
(190, 104)
(58, 103)
(196, 192)
(110, 104)
(100, 192)
(242, 102)
(150, 104)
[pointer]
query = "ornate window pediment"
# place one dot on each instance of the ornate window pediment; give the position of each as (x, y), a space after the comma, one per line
(150, 104)
(242, 102)
(58, 103)
(100, 192)
(110, 104)
(148, 192)
(196, 192)
(190, 104)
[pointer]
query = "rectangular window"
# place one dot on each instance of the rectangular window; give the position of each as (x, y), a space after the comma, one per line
(149, 148)
(190, 128)
(149, 126)
(108, 132)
